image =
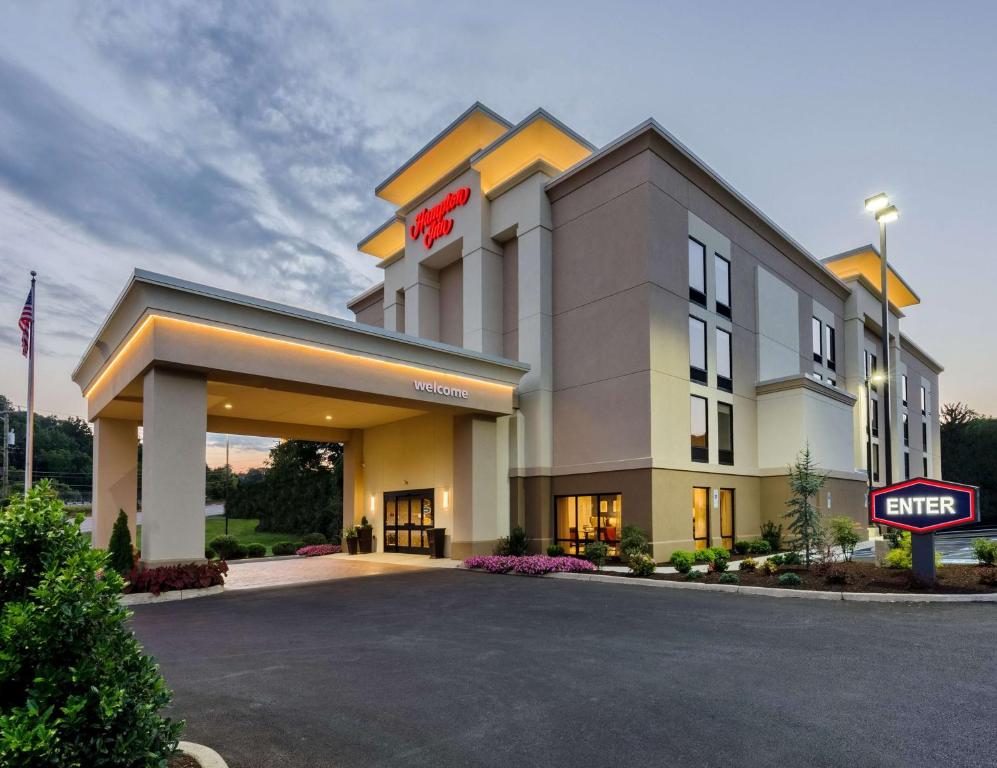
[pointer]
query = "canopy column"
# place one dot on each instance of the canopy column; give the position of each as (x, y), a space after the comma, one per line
(115, 476)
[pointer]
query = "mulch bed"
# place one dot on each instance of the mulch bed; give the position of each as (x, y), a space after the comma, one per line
(859, 577)
(183, 761)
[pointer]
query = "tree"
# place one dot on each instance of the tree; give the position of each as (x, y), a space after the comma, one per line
(969, 454)
(121, 557)
(804, 518)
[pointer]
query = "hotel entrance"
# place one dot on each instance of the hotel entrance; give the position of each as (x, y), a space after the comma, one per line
(408, 516)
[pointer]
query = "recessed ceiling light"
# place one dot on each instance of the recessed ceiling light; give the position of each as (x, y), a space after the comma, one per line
(328, 417)
(228, 406)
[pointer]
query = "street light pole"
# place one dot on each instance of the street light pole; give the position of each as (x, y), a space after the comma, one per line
(887, 385)
(228, 482)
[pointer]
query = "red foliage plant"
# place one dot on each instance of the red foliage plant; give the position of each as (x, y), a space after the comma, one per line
(167, 578)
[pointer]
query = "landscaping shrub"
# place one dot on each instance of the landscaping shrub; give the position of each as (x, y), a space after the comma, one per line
(790, 580)
(517, 543)
(844, 535)
(759, 547)
(256, 550)
(835, 574)
(741, 547)
(720, 559)
(777, 559)
(729, 578)
(985, 551)
(768, 567)
(554, 550)
(169, 578)
(633, 541)
(703, 555)
(792, 558)
(314, 550)
(225, 546)
(121, 556)
(597, 552)
(641, 564)
(239, 553)
(314, 538)
(693, 575)
(683, 560)
(209, 553)
(772, 533)
(75, 687)
(283, 548)
(902, 556)
(894, 536)
(533, 565)
(748, 564)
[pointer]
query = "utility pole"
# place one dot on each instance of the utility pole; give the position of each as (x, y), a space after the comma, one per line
(228, 482)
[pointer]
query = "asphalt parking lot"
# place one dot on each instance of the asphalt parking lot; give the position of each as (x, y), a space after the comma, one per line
(451, 668)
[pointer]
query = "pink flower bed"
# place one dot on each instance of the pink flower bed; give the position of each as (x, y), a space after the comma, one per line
(319, 549)
(531, 565)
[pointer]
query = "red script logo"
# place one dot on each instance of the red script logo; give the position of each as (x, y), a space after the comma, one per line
(433, 223)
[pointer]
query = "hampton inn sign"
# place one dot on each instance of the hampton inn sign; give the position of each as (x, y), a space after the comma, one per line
(434, 223)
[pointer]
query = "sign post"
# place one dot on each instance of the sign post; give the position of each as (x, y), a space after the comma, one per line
(923, 506)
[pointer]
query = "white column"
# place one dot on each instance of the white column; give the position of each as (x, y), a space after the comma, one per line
(422, 305)
(353, 481)
(115, 476)
(482, 308)
(174, 422)
(476, 499)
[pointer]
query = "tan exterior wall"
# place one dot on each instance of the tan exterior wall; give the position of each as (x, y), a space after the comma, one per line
(846, 497)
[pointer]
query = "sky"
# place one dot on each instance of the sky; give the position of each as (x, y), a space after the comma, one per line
(238, 144)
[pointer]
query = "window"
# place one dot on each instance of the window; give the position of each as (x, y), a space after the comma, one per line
(924, 464)
(829, 339)
(875, 418)
(906, 430)
(698, 432)
(697, 271)
(903, 388)
(592, 517)
(818, 340)
(832, 382)
(875, 463)
(906, 465)
(724, 373)
(697, 350)
(701, 518)
(722, 280)
(725, 433)
(924, 435)
(924, 401)
(727, 518)
(871, 370)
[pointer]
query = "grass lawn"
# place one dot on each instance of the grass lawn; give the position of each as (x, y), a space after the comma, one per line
(243, 530)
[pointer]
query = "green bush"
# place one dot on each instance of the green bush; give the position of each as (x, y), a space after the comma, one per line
(555, 550)
(283, 548)
(693, 575)
(729, 578)
(209, 553)
(517, 543)
(312, 539)
(633, 541)
(121, 556)
(641, 564)
(719, 560)
(683, 560)
(769, 567)
(748, 564)
(596, 552)
(225, 546)
(844, 535)
(894, 536)
(741, 547)
(703, 555)
(902, 556)
(759, 547)
(239, 553)
(75, 687)
(777, 559)
(772, 533)
(792, 558)
(256, 550)
(790, 580)
(985, 551)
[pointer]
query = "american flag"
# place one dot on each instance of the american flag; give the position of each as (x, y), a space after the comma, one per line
(27, 317)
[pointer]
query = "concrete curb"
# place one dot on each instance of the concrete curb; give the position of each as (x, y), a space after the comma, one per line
(206, 756)
(143, 598)
(805, 594)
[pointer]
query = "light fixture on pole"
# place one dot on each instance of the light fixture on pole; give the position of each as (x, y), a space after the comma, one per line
(879, 205)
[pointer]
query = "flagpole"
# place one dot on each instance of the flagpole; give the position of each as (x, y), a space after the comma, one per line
(29, 424)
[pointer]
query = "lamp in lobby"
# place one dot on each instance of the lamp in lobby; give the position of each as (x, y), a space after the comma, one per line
(372, 503)
(446, 498)
(880, 206)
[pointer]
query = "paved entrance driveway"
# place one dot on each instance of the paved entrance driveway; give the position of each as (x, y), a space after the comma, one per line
(449, 668)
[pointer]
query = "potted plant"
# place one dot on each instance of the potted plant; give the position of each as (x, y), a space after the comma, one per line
(365, 536)
(351, 540)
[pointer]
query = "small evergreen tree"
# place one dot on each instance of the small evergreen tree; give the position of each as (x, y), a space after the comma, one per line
(120, 555)
(805, 523)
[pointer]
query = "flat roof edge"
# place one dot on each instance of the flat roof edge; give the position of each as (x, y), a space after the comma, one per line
(365, 294)
(918, 352)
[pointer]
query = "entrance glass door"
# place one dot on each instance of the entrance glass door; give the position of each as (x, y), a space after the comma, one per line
(408, 516)
(701, 517)
(727, 518)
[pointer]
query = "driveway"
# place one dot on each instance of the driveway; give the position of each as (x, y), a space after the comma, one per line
(451, 668)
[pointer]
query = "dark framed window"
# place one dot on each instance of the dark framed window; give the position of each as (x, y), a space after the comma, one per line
(818, 340)
(697, 350)
(924, 464)
(725, 433)
(903, 388)
(829, 343)
(727, 518)
(700, 518)
(924, 435)
(875, 418)
(408, 517)
(832, 382)
(906, 430)
(875, 463)
(906, 465)
(699, 429)
(873, 368)
(924, 401)
(697, 271)
(722, 280)
(580, 520)
(724, 373)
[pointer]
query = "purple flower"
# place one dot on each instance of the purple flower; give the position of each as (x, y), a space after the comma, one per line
(319, 549)
(530, 565)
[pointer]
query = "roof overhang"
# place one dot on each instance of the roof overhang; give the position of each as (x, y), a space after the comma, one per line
(865, 262)
(387, 240)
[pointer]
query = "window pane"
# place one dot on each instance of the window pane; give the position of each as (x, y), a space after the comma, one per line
(701, 517)
(725, 426)
(817, 340)
(829, 338)
(924, 401)
(903, 388)
(722, 280)
(697, 266)
(723, 353)
(697, 343)
(699, 438)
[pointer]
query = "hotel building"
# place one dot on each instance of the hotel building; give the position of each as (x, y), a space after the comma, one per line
(567, 338)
